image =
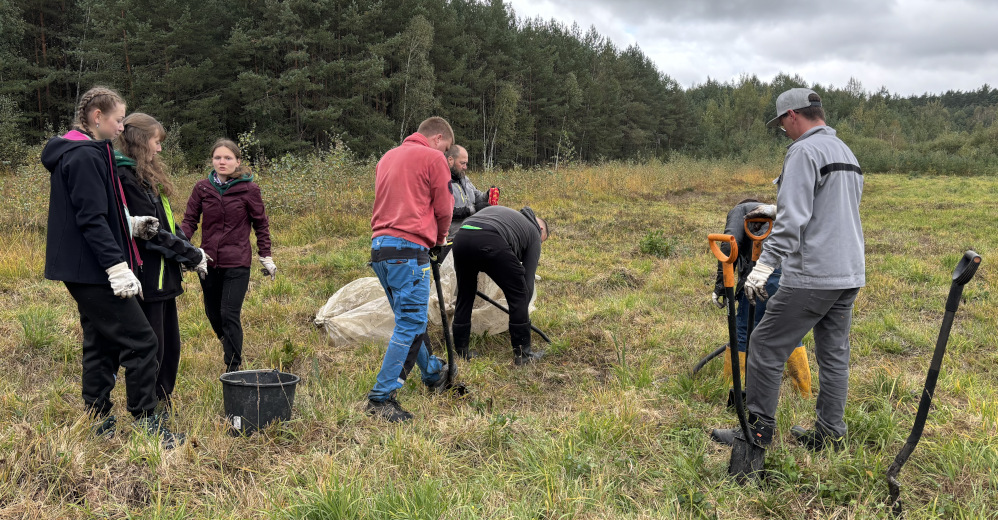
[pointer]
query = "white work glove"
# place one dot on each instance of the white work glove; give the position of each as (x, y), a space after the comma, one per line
(202, 267)
(269, 266)
(718, 300)
(143, 227)
(762, 211)
(755, 284)
(123, 281)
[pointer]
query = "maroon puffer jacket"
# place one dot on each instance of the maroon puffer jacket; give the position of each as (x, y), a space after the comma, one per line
(226, 220)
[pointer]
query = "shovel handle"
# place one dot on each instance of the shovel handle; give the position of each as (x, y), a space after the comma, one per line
(757, 239)
(728, 261)
(967, 267)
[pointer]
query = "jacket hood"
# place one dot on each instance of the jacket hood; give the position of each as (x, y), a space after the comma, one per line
(529, 213)
(121, 159)
(59, 146)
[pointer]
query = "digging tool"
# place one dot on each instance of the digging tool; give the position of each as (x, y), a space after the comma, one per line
(504, 309)
(964, 271)
(450, 382)
(756, 251)
(747, 456)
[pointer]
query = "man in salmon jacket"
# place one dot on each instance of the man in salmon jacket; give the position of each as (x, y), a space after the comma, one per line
(413, 207)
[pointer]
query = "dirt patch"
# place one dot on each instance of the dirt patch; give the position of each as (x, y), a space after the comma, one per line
(619, 278)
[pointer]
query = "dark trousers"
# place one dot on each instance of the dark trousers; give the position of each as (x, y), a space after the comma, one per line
(790, 313)
(224, 290)
(162, 317)
(115, 333)
(483, 250)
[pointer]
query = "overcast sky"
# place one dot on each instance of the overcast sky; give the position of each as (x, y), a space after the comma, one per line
(908, 46)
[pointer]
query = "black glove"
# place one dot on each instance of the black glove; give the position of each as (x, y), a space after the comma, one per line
(462, 212)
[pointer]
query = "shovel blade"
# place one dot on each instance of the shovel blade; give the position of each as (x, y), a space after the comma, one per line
(747, 461)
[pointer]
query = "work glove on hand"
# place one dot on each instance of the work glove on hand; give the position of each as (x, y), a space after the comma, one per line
(143, 227)
(494, 196)
(202, 267)
(718, 299)
(755, 285)
(269, 267)
(123, 281)
(462, 212)
(762, 211)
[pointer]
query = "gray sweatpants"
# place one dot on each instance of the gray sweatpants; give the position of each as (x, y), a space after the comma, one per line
(790, 313)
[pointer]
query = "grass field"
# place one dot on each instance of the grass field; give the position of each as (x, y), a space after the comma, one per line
(609, 425)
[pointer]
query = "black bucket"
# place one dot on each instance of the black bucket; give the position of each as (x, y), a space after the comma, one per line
(255, 398)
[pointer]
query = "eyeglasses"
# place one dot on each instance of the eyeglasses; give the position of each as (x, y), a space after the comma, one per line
(780, 119)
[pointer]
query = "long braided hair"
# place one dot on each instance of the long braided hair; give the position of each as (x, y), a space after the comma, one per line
(140, 128)
(97, 98)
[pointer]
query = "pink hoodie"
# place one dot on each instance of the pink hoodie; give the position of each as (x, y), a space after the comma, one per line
(412, 198)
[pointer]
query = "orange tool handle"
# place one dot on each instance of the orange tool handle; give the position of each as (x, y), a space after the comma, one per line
(714, 239)
(757, 239)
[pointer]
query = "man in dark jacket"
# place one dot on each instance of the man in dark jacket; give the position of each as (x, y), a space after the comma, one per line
(505, 244)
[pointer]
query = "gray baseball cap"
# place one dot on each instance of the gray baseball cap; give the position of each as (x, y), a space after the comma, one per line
(793, 99)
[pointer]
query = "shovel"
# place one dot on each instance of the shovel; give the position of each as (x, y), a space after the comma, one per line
(504, 309)
(964, 271)
(747, 456)
(756, 251)
(450, 377)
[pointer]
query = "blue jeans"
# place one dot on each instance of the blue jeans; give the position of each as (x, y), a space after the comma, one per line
(407, 286)
(741, 314)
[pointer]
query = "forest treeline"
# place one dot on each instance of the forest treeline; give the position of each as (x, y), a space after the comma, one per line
(303, 75)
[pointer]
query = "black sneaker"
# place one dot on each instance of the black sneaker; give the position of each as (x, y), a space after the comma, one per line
(104, 426)
(389, 410)
(156, 425)
(817, 439)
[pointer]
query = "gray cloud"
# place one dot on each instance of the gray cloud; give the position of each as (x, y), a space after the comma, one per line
(910, 46)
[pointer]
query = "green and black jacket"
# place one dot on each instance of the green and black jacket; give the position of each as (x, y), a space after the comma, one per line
(164, 253)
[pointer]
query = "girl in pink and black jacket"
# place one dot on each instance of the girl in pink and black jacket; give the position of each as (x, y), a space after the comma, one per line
(228, 204)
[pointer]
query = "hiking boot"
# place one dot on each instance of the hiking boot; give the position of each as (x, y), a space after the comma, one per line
(762, 434)
(104, 426)
(817, 439)
(527, 356)
(462, 337)
(389, 410)
(155, 424)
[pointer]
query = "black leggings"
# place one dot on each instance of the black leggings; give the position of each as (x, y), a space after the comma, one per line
(483, 250)
(162, 317)
(224, 290)
(115, 333)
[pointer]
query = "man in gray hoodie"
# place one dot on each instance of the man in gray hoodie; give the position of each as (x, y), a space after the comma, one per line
(817, 239)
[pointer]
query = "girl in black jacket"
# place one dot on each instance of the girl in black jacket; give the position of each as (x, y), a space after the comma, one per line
(147, 186)
(89, 248)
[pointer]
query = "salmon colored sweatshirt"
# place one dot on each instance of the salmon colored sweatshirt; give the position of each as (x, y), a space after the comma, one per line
(412, 199)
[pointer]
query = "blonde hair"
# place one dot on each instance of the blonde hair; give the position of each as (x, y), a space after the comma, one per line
(134, 142)
(97, 98)
(242, 170)
(436, 125)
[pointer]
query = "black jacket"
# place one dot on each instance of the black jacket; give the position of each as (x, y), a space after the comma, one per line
(161, 255)
(87, 230)
(520, 230)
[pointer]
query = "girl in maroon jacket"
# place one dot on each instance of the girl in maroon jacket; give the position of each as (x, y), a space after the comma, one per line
(230, 204)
